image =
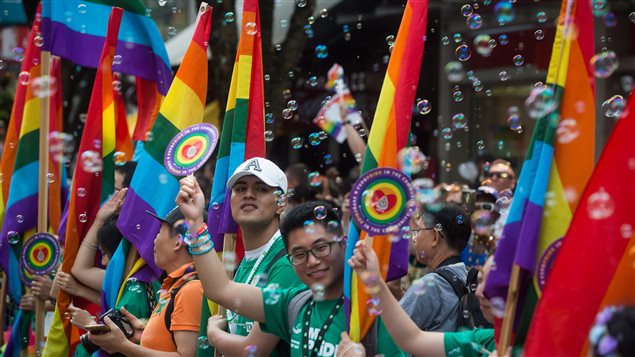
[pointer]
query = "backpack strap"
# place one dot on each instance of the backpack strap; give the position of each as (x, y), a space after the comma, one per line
(169, 309)
(295, 305)
(455, 282)
(472, 280)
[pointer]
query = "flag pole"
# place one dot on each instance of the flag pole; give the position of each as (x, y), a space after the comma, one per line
(42, 216)
(3, 295)
(229, 245)
(510, 311)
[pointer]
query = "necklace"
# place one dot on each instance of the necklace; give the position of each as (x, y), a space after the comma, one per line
(320, 338)
(230, 315)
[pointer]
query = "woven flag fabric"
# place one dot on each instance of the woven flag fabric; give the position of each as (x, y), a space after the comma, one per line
(76, 30)
(21, 163)
(554, 173)
(183, 106)
(93, 183)
(389, 133)
(242, 135)
(601, 235)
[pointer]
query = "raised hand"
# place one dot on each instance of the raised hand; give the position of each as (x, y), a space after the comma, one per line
(111, 206)
(365, 263)
(191, 200)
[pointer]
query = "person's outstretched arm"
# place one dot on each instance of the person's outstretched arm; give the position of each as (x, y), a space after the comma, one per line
(236, 345)
(399, 325)
(209, 268)
(84, 269)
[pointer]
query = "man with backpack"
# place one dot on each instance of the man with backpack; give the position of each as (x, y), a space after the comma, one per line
(175, 322)
(311, 322)
(438, 301)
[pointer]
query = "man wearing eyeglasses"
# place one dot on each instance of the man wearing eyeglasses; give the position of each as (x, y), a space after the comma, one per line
(257, 200)
(501, 176)
(311, 321)
(440, 232)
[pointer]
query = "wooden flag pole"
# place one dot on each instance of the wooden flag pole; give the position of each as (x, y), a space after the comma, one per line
(229, 245)
(3, 299)
(42, 212)
(510, 311)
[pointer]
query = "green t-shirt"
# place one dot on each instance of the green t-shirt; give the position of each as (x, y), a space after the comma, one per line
(276, 304)
(478, 342)
(280, 273)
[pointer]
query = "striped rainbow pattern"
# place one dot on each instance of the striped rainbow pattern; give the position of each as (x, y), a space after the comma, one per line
(329, 118)
(98, 137)
(559, 168)
(335, 74)
(560, 325)
(389, 134)
(242, 136)
(76, 30)
(20, 164)
(183, 106)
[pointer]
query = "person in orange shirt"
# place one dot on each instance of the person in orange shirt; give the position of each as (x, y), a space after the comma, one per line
(182, 297)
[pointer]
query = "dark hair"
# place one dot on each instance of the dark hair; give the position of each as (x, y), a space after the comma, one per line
(109, 235)
(127, 170)
(298, 215)
(299, 172)
(621, 328)
(455, 223)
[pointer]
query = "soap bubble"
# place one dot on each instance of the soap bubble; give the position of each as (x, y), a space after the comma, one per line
(466, 10)
(482, 44)
(463, 53)
(454, 71)
(412, 160)
(539, 34)
(567, 131)
(459, 121)
(13, 237)
(540, 102)
(321, 51)
(319, 291)
(600, 205)
(251, 28)
(504, 11)
(297, 142)
(91, 161)
(474, 21)
(319, 212)
(518, 60)
(203, 342)
(229, 17)
(614, 106)
(424, 107)
(604, 64)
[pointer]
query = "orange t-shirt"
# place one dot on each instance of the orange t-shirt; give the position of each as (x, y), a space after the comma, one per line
(185, 317)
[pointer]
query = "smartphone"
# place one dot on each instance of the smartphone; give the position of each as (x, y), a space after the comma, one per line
(97, 328)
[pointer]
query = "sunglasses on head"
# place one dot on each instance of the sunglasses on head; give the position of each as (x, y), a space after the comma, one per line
(500, 175)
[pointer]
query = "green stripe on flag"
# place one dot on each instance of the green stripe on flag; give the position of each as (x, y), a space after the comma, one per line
(108, 176)
(224, 146)
(162, 132)
(134, 6)
(28, 149)
(241, 112)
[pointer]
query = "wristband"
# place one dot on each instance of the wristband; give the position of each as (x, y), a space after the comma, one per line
(202, 250)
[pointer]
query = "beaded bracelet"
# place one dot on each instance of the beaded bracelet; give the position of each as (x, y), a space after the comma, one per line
(202, 230)
(200, 250)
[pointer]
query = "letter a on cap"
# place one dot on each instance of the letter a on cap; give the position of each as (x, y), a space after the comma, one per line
(253, 164)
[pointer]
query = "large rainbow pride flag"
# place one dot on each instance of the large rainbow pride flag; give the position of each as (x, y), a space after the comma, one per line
(183, 106)
(93, 183)
(555, 172)
(389, 133)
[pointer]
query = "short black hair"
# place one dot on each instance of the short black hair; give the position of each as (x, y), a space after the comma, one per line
(455, 223)
(621, 326)
(109, 235)
(127, 169)
(304, 212)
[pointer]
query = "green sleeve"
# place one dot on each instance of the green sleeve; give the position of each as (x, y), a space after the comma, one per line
(135, 298)
(283, 274)
(478, 342)
(276, 303)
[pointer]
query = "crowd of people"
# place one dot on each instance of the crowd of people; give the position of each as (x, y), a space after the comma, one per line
(286, 295)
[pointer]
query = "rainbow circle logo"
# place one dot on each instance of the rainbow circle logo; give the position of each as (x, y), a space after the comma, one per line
(190, 149)
(40, 254)
(381, 200)
(25, 276)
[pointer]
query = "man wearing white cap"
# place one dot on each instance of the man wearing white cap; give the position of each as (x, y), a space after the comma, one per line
(257, 187)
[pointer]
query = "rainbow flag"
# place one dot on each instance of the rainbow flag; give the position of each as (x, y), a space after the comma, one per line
(555, 172)
(123, 142)
(183, 106)
(329, 118)
(389, 134)
(20, 164)
(242, 136)
(601, 231)
(93, 182)
(76, 30)
(334, 77)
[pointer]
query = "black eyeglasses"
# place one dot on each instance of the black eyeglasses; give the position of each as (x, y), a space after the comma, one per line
(319, 251)
(485, 206)
(500, 175)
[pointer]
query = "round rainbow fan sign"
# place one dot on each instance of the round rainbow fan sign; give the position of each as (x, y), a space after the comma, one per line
(40, 254)
(189, 150)
(381, 201)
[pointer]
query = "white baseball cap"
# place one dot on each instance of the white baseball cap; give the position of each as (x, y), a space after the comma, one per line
(264, 169)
